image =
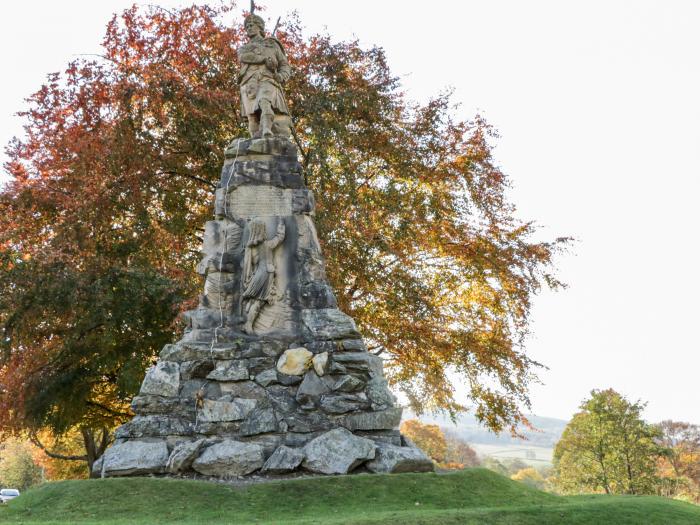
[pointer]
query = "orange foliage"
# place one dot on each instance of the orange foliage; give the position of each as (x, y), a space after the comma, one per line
(115, 175)
(429, 438)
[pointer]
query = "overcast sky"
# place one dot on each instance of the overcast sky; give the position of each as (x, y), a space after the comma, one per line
(598, 105)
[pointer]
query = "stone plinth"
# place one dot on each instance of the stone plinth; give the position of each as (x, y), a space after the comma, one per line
(270, 376)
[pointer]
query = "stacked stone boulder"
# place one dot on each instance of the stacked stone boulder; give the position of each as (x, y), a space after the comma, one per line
(271, 377)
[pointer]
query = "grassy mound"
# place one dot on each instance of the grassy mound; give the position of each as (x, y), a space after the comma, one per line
(470, 496)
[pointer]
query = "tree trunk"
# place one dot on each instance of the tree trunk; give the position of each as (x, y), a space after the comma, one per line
(630, 477)
(94, 448)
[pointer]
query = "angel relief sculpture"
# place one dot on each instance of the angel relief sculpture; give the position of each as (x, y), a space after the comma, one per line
(259, 287)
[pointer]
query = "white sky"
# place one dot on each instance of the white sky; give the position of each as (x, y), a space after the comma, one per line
(598, 105)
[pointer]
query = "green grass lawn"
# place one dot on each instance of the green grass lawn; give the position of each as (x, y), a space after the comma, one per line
(471, 496)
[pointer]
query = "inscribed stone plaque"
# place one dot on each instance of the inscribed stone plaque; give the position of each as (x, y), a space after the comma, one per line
(260, 201)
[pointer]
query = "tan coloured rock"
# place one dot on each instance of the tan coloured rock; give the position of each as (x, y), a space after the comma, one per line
(320, 362)
(295, 361)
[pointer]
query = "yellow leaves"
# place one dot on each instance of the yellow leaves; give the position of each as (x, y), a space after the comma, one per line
(421, 243)
(69, 444)
(429, 438)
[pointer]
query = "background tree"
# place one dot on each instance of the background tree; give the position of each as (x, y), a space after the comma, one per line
(458, 452)
(99, 224)
(608, 447)
(680, 467)
(531, 477)
(17, 467)
(514, 465)
(78, 337)
(70, 444)
(495, 465)
(429, 438)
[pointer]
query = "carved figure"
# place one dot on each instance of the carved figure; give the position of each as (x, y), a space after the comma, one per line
(264, 69)
(259, 271)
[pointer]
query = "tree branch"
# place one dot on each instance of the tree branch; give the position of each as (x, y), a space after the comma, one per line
(187, 176)
(304, 154)
(107, 409)
(35, 440)
(104, 441)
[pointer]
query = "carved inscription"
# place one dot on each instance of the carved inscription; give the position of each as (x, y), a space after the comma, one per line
(259, 201)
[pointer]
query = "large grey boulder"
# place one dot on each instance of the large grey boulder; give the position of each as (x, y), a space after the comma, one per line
(243, 389)
(195, 369)
(358, 361)
(267, 377)
(259, 421)
(157, 425)
(192, 351)
(310, 421)
(337, 451)
(310, 389)
(391, 459)
(377, 387)
(284, 459)
(155, 405)
(131, 458)
(348, 384)
(230, 371)
(183, 455)
(230, 458)
(329, 323)
(378, 420)
(162, 380)
(312, 385)
(226, 410)
(379, 394)
(342, 403)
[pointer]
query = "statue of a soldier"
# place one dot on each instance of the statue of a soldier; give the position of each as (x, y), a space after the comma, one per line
(264, 69)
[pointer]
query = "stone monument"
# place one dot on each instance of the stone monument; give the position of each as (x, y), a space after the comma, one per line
(269, 377)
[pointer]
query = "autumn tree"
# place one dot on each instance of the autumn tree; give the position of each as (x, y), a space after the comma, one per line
(68, 445)
(530, 477)
(77, 341)
(679, 469)
(99, 224)
(607, 446)
(429, 438)
(17, 467)
(495, 465)
(459, 452)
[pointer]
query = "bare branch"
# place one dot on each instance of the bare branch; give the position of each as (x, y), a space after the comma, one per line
(35, 440)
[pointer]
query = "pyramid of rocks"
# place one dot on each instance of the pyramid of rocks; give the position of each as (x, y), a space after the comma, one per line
(270, 377)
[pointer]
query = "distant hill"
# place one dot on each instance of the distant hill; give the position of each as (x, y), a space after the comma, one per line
(548, 431)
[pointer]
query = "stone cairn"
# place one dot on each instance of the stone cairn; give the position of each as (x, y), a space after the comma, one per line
(270, 377)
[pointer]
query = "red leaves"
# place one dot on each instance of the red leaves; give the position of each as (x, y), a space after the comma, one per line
(121, 155)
